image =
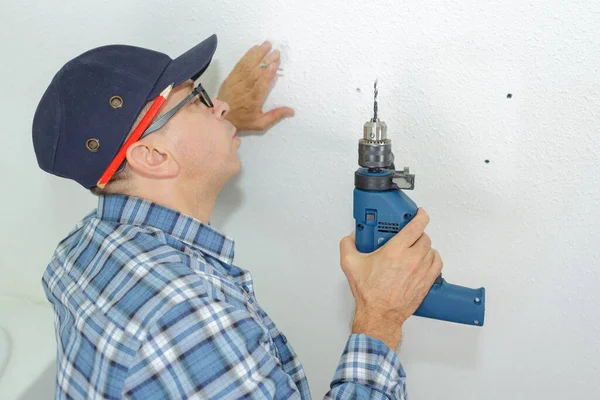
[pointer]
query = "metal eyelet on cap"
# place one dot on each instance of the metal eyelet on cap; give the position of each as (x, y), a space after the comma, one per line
(116, 102)
(92, 144)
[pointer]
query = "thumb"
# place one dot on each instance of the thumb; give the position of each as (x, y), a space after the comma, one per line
(274, 116)
(348, 247)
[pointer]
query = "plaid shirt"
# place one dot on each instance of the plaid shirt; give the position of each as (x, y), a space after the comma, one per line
(149, 305)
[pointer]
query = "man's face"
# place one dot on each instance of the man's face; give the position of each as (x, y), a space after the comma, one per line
(202, 142)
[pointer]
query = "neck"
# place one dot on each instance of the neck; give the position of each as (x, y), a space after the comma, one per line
(190, 199)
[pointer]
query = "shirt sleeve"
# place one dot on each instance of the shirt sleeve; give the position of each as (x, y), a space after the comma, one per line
(368, 369)
(206, 348)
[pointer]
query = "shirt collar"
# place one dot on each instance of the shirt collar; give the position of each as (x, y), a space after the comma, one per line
(137, 211)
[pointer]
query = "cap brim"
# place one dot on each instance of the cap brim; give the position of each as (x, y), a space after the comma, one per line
(189, 65)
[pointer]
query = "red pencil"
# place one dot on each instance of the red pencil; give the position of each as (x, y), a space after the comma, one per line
(135, 135)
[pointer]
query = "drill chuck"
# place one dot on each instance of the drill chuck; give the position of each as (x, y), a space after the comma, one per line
(375, 149)
(375, 130)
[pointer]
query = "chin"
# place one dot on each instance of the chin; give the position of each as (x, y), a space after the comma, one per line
(234, 168)
(238, 167)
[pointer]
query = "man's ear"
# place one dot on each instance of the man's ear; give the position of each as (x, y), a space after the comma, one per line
(151, 160)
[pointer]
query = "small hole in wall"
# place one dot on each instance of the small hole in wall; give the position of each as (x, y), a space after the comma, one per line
(358, 90)
(509, 96)
(487, 161)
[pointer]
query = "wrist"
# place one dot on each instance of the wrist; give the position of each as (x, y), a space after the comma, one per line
(387, 330)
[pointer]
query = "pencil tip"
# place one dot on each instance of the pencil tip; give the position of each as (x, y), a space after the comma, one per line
(167, 90)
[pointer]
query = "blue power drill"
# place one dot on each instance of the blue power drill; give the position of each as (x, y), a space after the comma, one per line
(382, 209)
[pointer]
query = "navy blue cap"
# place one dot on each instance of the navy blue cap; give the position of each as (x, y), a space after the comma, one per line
(90, 106)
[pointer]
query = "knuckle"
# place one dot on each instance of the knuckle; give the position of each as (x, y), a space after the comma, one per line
(423, 217)
(412, 230)
(427, 240)
(434, 255)
(429, 256)
(345, 261)
(343, 242)
(438, 260)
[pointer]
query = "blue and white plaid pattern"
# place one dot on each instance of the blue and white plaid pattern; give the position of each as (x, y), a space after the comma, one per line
(149, 305)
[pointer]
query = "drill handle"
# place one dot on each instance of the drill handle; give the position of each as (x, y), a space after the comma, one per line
(381, 214)
(453, 303)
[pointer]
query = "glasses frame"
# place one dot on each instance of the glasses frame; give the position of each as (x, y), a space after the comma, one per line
(159, 123)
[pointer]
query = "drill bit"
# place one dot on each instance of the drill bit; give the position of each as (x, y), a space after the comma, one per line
(375, 103)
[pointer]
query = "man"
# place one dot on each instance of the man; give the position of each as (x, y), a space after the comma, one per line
(147, 299)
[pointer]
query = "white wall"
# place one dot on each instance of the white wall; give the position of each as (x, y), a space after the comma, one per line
(524, 225)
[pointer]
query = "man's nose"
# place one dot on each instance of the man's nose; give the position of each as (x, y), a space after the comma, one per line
(220, 108)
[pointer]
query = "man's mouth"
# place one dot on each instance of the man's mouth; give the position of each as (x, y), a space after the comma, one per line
(233, 129)
(234, 135)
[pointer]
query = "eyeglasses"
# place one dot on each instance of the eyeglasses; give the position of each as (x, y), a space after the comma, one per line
(159, 123)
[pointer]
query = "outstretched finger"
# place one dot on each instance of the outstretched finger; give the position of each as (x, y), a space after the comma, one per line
(262, 78)
(273, 116)
(253, 58)
(271, 58)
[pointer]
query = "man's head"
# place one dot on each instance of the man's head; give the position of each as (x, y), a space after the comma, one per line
(195, 147)
(96, 99)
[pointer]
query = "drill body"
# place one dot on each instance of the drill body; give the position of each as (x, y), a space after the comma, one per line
(382, 209)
